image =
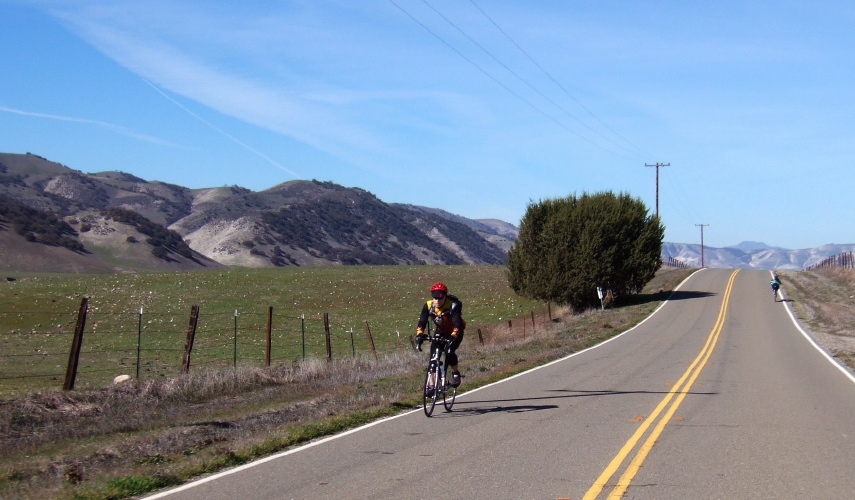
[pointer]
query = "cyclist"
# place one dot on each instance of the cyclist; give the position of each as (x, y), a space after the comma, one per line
(776, 284)
(446, 313)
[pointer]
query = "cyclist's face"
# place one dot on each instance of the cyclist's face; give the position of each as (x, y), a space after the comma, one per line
(439, 301)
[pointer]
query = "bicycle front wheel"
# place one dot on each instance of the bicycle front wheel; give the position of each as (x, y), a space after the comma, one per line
(448, 397)
(430, 391)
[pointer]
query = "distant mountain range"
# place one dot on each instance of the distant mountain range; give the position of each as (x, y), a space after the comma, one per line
(752, 255)
(56, 219)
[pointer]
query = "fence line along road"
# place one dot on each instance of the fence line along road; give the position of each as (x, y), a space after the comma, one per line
(91, 348)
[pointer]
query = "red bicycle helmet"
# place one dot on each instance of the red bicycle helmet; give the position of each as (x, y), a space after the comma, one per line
(439, 287)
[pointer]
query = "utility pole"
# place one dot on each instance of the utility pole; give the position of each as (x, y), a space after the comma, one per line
(657, 165)
(702, 242)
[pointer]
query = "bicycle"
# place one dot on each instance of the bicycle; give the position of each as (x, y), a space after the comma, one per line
(436, 382)
(775, 292)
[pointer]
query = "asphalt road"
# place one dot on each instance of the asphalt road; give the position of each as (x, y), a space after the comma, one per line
(718, 395)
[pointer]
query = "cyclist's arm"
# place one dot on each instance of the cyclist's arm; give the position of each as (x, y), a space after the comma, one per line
(457, 315)
(423, 318)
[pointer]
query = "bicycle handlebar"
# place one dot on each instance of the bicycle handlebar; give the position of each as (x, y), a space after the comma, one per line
(436, 337)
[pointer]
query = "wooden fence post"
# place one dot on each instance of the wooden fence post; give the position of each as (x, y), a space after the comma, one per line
(76, 345)
(303, 333)
(480, 337)
(191, 337)
(533, 331)
(139, 342)
(269, 348)
(370, 340)
(327, 332)
(549, 310)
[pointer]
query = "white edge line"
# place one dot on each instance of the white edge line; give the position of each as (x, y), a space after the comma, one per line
(810, 339)
(271, 457)
(260, 461)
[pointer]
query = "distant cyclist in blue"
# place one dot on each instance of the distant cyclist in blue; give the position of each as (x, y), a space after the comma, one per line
(776, 284)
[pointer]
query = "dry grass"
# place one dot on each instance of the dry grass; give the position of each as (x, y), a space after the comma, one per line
(179, 426)
(125, 440)
(823, 300)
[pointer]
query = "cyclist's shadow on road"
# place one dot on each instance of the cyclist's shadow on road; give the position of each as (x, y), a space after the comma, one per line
(483, 410)
(468, 408)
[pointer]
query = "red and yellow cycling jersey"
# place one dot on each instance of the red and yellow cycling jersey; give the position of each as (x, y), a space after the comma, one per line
(447, 318)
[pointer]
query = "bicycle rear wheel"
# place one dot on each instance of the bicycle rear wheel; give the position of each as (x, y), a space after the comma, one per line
(429, 392)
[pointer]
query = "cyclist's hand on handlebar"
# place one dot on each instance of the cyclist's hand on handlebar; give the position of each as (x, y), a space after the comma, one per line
(420, 337)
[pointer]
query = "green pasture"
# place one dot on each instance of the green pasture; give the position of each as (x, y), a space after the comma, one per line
(151, 311)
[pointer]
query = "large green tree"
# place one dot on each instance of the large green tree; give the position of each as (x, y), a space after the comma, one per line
(567, 247)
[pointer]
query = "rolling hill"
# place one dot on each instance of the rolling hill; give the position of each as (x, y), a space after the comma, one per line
(292, 224)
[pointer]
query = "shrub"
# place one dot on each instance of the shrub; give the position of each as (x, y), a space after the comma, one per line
(567, 247)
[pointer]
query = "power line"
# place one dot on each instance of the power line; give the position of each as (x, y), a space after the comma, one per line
(511, 71)
(488, 75)
(571, 96)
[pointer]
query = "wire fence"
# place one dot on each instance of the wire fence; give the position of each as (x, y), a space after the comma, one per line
(669, 261)
(38, 347)
(844, 260)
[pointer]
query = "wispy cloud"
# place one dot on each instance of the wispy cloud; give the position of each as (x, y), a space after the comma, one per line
(274, 72)
(233, 138)
(174, 58)
(119, 129)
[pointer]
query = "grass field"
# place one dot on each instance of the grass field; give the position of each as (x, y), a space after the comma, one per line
(38, 315)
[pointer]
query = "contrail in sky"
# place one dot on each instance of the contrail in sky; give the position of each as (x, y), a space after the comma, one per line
(235, 139)
(111, 126)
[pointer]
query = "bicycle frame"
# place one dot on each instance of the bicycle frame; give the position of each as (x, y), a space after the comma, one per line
(436, 381)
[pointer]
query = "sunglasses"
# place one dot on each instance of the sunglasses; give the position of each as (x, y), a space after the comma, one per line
(437, 295)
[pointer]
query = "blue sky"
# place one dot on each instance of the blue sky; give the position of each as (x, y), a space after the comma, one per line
(479, 107)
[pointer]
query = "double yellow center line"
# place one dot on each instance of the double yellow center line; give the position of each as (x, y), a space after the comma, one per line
(680, 389)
